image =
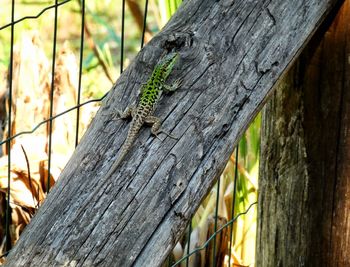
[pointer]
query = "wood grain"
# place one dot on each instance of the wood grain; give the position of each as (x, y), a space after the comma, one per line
(232, 54)
(304, 197)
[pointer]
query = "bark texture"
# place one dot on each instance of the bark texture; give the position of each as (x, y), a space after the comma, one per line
(232, 54)
(304, 200)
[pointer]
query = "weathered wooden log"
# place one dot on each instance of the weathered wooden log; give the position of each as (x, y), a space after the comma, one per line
(304, 203)
(232, 53)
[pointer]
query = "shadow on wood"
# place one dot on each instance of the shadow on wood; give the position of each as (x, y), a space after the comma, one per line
(304, 186)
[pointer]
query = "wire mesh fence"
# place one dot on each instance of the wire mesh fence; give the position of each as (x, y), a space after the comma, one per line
(217, 248)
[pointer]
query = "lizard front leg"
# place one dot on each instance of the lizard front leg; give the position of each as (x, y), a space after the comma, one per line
(155, 130)
(171, 88)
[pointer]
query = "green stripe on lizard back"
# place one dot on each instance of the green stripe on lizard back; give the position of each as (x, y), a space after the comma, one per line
(151, 91)
(143, 112)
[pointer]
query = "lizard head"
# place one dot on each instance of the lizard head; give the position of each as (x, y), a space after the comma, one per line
(167, 63)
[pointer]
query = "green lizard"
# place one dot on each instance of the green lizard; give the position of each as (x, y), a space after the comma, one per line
(143, 112)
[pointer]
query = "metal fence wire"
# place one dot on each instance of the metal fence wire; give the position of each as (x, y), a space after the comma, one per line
(184, 260)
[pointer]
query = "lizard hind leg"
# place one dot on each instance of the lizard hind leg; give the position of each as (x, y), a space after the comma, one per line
(119, 115)
(129, 112)
(155, 130)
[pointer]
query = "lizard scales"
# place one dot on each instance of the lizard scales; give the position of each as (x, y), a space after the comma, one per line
(143, 112)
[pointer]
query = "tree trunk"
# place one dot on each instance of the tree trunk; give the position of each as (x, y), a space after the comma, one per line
(232, 53)
(304, 200)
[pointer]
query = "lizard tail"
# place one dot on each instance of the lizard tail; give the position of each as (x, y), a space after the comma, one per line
(132, 134)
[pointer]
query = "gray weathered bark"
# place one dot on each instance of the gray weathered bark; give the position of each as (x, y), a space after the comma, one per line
(232, 54)
(304, 198)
